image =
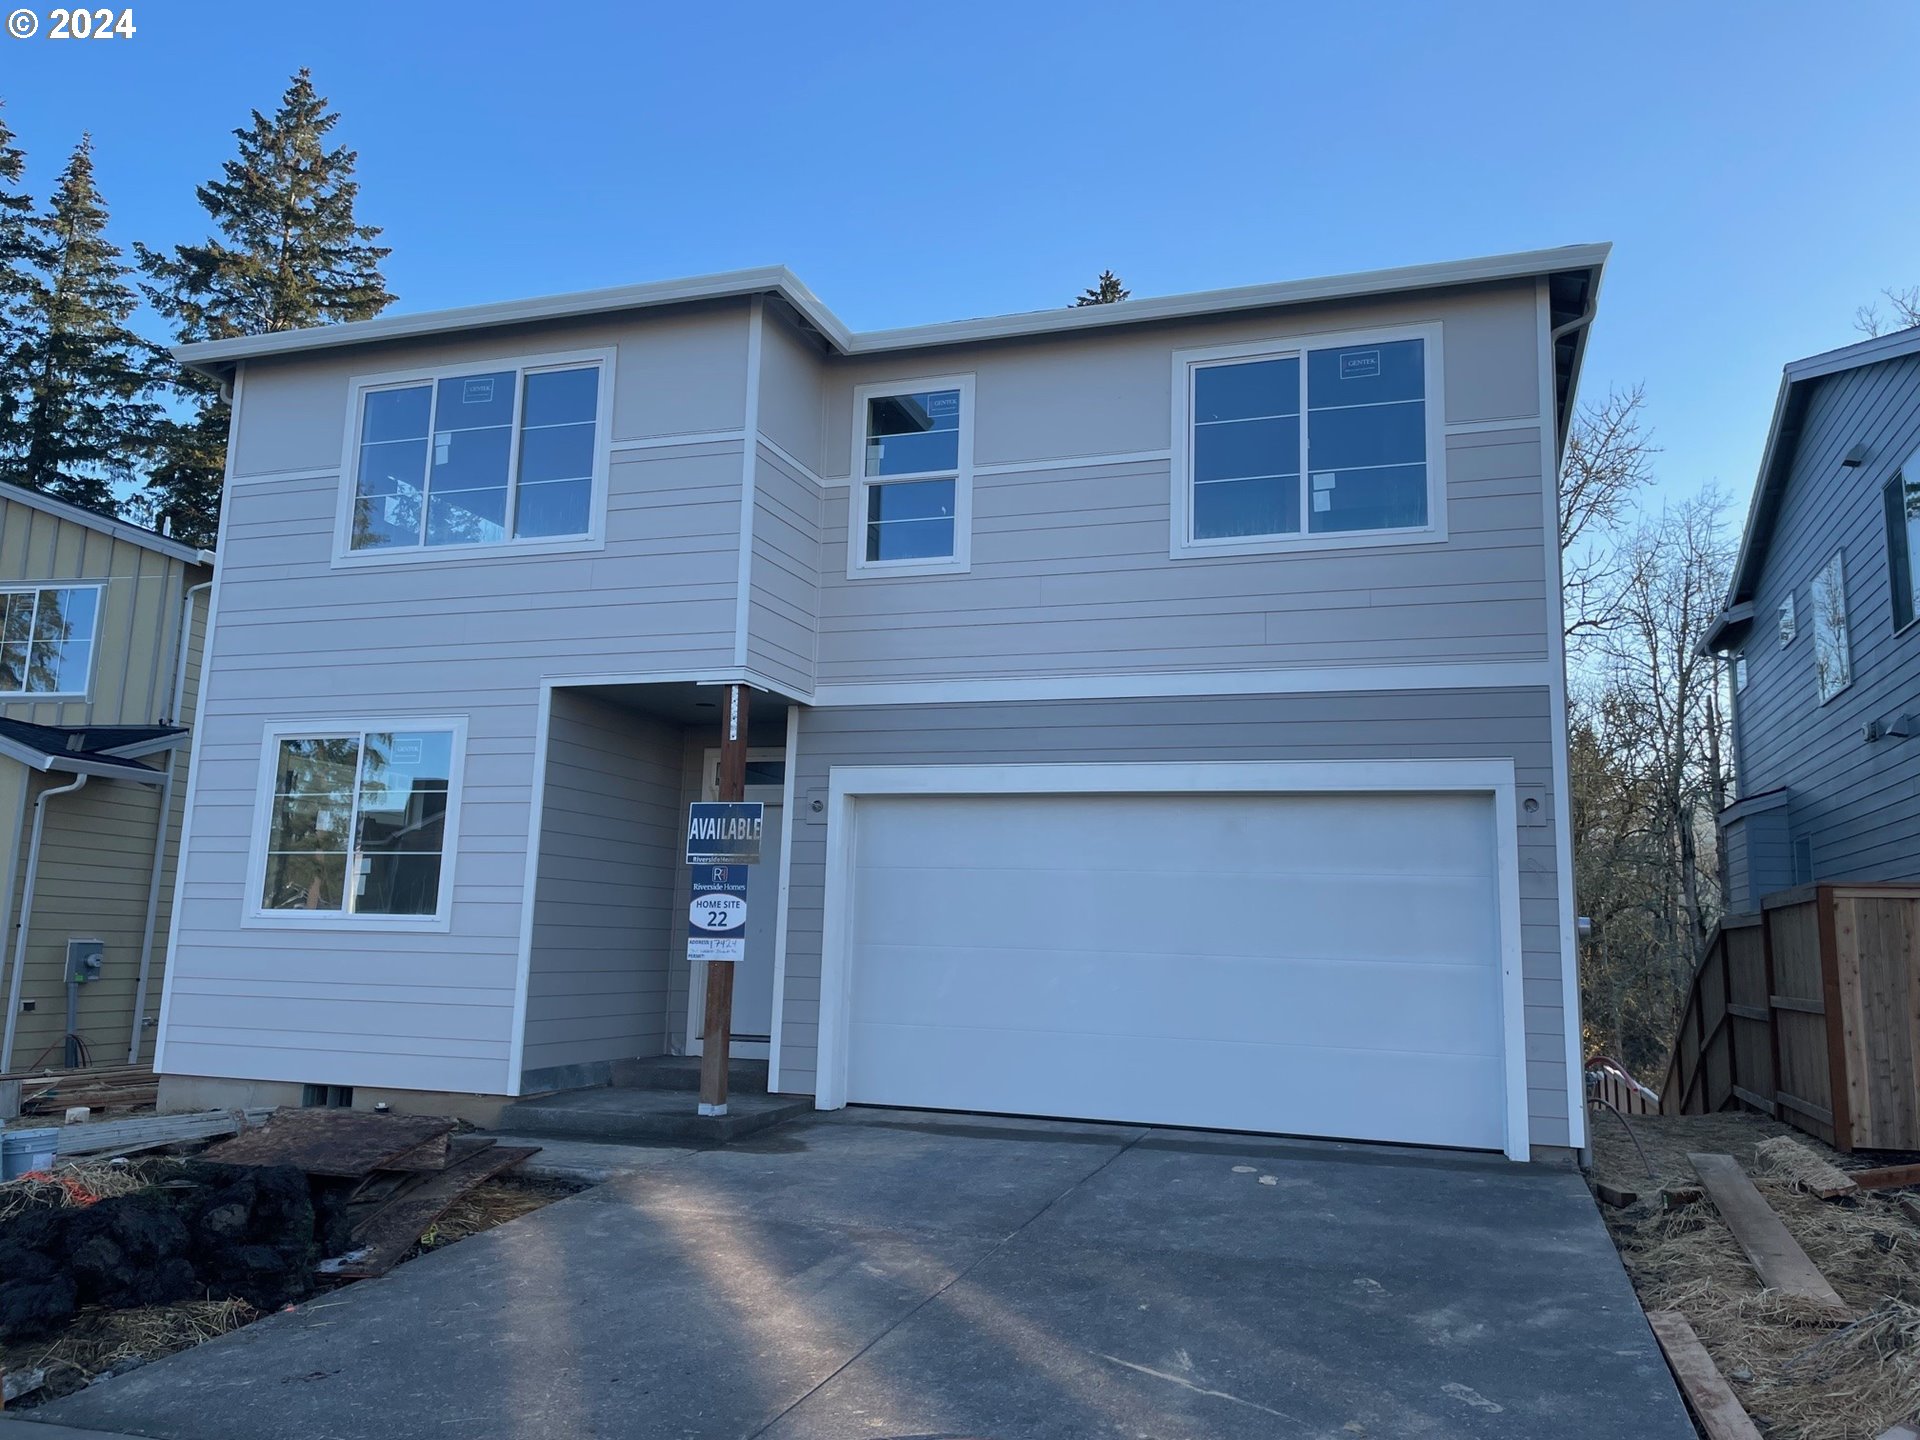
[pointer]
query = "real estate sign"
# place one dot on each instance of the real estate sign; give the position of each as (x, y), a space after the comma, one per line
(717, 919)
(725, 832)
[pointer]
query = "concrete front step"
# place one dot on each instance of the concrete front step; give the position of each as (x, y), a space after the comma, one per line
(663, 1116)
(682, 1072)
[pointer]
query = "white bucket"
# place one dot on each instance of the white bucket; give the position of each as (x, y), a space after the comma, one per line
(24, 1150)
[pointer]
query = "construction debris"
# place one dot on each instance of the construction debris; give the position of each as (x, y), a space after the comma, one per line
(149, 1132)
(1778, 1259)
(103, 1087)
(1786, 1156)
(345, 1144)
(385, 1237)
(1887, 1177)
(1720, 1414)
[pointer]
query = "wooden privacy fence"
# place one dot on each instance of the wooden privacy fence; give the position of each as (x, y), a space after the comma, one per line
(1810, 1012)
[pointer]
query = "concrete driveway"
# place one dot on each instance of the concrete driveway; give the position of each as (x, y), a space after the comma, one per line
(886, 1274)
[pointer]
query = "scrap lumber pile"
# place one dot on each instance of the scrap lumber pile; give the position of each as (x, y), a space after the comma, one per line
(1782, 1284)
(105, 1088)
(392, 1175)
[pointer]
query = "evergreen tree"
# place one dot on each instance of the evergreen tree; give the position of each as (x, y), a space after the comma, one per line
(287, 254)
(87, 419)
(1104, 291)
(22, 256)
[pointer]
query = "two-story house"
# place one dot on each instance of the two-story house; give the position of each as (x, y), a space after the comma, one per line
(1819, 625)
(100, 648)
(1158, 706)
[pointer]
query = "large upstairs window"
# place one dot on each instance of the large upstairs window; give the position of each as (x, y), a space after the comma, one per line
(1321, 441)
(484, 456)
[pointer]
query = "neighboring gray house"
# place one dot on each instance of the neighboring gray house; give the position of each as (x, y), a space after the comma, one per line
(1819, 624)
(1159, 705)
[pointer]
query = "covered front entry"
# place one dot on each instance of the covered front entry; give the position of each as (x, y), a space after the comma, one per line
(1324, 962)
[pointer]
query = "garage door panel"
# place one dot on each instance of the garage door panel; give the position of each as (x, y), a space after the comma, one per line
(1322, 964)
(1359, 915)
(1437, 1099)
(1153, 996)
(1441, 834)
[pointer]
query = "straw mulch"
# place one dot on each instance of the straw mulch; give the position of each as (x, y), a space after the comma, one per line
(70, 1182)
(490, 1204)
(1799, 1376)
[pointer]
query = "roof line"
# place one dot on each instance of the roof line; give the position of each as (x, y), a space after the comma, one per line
(215, 357)
(1776, 459)
(105, 524)
(102, 765)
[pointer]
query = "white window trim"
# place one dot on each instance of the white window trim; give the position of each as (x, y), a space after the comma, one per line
(34, 587)
(254, 915)
(961, 561)
(345, 556)
(1182, 545)
(1837, 564)
(848, 784)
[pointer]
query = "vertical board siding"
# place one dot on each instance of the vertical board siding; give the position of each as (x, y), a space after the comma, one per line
(1855, 800)
(603, 902)
(1427, 725)
(97, 854)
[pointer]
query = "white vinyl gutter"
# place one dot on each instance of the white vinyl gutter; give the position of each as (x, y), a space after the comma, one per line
(24, 925)
(162, 827)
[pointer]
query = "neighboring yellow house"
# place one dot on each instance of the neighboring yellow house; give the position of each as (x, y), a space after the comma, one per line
(101, 630)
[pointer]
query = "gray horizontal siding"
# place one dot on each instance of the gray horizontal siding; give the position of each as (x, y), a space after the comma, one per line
(603, 902)
(1403, 725)
(1856, 801)
(295, 639)
(1071, 574)
(784, 586)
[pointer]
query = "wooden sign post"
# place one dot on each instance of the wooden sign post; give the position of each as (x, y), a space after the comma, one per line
(717, 1034)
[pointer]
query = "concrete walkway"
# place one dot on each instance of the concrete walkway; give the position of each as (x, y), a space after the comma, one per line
(883, 1274)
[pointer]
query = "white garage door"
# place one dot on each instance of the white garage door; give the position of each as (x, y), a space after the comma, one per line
(1323, 965)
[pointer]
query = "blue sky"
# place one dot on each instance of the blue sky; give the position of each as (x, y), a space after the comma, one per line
(1752, 163)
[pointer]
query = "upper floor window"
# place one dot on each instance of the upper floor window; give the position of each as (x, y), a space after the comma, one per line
(911, 500)
(1903, 539)
(46, 639)
(1832, 655)
(1322, 441)
(358, 821)
(498, 455)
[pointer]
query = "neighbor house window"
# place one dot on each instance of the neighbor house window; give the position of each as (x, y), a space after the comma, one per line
(1903, 539)
(487, 456)
(911, 495)
(1832, 658)
(46, 639)
(358, 822)
(1309, 444)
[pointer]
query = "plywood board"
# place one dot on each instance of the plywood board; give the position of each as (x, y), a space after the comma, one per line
(346, 1144)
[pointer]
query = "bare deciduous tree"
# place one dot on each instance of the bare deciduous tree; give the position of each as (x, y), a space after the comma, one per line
(1608, 462)
(1648, 777)
(1902, 312)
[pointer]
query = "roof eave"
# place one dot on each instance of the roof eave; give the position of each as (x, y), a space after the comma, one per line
(217, 358)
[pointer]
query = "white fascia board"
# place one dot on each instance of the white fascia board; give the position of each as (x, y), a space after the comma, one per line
(148, 747)
(213, 357)
(1522, 265)
(76, 765)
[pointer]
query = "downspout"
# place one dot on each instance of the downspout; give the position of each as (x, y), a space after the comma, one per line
(24, 925)
(162, 826)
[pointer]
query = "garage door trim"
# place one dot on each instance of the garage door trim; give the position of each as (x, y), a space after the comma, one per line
(848, 784)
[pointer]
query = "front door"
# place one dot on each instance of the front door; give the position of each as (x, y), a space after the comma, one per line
(752, 977)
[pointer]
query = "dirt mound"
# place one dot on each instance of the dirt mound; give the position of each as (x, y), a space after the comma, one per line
(201, 1230)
